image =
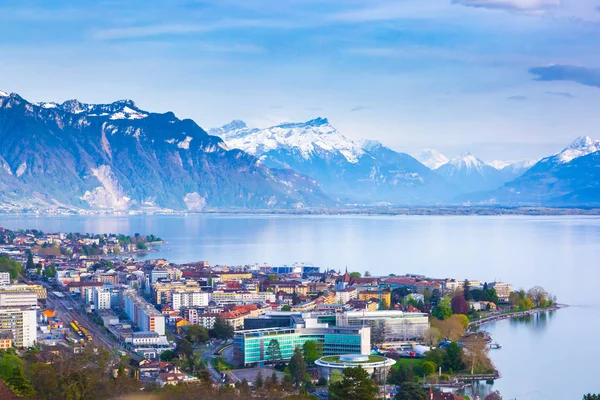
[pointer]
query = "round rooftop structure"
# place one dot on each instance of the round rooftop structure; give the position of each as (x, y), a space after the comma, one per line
(370, 363)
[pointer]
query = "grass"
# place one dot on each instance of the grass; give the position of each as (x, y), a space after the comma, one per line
(337, 358)
(221, 365)
(407, 362)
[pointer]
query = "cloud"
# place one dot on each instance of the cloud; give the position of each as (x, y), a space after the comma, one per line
(527, 6)
(517, 98)
(583, 75)
(359, 108)
(313, 109)
(562, 94)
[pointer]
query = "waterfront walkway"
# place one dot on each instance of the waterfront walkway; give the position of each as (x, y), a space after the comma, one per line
(518, 314)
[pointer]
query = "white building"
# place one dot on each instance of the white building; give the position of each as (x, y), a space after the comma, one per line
(345, 295)
(21, 324)
(102, 298)
(4, 278)
(17, 298)
(143, 314)
(190, 299)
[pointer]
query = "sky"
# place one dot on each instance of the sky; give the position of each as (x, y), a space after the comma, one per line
(503, 79)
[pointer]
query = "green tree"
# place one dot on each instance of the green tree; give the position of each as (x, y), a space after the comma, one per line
(312, 351)
(286, 307)
(244, 388)
(411, 391)
(356, 384)
(274, 351)
(19, 383)
(167, 355)
(367, 274)
(287, 382)
(428, 368)
(354, 274)
(453, 359)
(259, 382)
(184, 348)
(11, 266)
(297, 367)
(526, 304)
(30, 264)
(335, 376)
(196, 334)
(467, 290)
(402, 374)
(442, 310)
(221, 329)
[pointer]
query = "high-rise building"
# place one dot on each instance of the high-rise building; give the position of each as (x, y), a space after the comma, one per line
(17, 298)
(190, 299)
(21, 324)
(102, 298)
(143, 314)
(394, 325)
(4, 278)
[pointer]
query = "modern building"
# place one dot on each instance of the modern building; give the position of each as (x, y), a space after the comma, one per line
(374, 365)
(39, 290)
(251, 346)
(163, 291)
(394, 325)
(186, 299)
(4, 278)
(143, 314)
(17, 298)
(102, 298)
(21, 324)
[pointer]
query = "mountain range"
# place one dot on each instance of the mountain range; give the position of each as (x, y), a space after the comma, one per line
(117, 156)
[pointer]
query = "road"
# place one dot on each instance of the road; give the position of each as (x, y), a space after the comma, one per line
(207, 357)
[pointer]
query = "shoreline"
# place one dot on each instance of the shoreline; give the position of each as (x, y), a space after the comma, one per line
(517, 314)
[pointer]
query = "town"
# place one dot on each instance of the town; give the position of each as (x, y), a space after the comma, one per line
(292, 330)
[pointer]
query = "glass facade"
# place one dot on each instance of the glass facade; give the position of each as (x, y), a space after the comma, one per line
(252, 346)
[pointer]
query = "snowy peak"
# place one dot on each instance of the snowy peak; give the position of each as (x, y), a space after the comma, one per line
(307, 138)
(369, 145)
(121, 109)
(431, 158)
(581, 146)
(515, 166)
(467, 161)
(3, 94)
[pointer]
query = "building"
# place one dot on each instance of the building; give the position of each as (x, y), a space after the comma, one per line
(163, 291)
(502, 289)
(289, 287)
(17, 298)
(102, 298)
(222, 297)
(205, 319)
(4, 278)
(143, 314)
(5, 340)
(186, 299)
(39, 290)
(376, 295)
(395, 325)
(21, 324)
(374, 365)
(345, 295)
(250, 346)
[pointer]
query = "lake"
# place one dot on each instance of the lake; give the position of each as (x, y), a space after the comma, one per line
(546, 357)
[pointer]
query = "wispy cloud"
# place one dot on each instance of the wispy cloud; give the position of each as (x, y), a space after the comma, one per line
(360, 108)
(582, 75)
(562, 94)
(313, 109)
(527, 6)
(517, 98)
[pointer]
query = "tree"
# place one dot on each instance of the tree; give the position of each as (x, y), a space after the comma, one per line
(432, 336)
(167, 355)
(356, 384)
(428, 368)
(467, 290)
(297, 367)
(463, 319)
(453, 359)
(378, 333)
(411, 391)
(11, 266)
(287, 382)
(442, 310)
(367, 274)
(354, 274)
(286, 307)
(44, 379)
(19, 383)
(30, 264)
(514, 298)
(335, 376)
(184, 348)
(274, 351)
(221, 329)
(312, 351)
(459, 305)
(259, 382)
(451, 328)
(435, 297)
(475, 356)
(526, 304)
(495, 395)
(536, 294)
(272, 382)
(244, 388)
(196, 334)
(402, 374)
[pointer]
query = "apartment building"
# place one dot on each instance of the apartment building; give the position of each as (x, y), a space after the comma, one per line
(163, 291)
(196, 298)
(143, 314)
(17, 298)
(102, 298)
(345, 295)
(4, 278)
(21, 324)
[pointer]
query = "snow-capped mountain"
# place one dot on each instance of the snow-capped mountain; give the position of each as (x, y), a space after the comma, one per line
(512, 169)
(117, 156)
(471, 174)
(364, 171)
(431, 158)
(569, 177)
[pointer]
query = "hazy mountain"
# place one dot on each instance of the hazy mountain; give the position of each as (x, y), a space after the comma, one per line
(118, 156)
(353, 172)
(470, 174)
(570, 177)
(431, 158)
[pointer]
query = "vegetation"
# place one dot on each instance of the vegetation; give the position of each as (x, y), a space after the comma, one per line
(355, 384)
(14, 268)
(312, 351)
(274, 351)
(442, 310)
(297, 368)
(411, 391)
(221, 329)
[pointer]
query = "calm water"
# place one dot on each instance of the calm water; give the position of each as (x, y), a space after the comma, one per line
(548, 357)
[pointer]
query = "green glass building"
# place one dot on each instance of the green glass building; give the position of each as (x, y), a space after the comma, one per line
(251, 346)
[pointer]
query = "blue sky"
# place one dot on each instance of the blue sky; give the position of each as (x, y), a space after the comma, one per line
(504, 79)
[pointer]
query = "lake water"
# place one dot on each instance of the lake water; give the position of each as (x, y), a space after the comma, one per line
(547, 357)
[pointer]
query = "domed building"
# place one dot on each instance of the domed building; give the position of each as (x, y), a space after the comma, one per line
(377, 365)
